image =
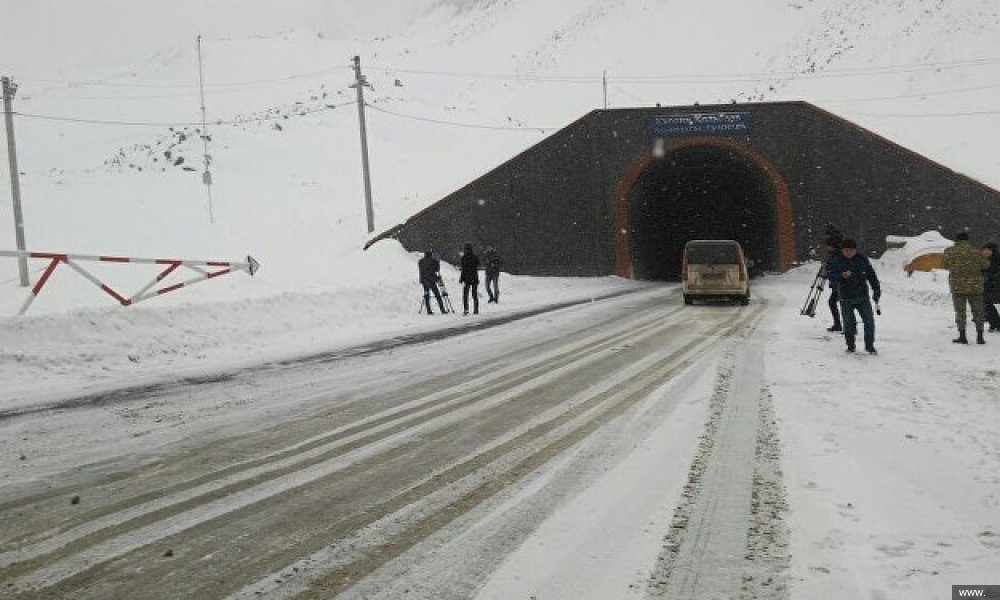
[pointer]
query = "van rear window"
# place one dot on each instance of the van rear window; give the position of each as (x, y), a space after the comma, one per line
(713, 254)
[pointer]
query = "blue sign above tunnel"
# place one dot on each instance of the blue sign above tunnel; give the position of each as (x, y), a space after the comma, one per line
(716, 123)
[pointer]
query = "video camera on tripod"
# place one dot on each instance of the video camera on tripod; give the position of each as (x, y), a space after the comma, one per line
(815, 292)
(444, 294)
(832, 242)
(445, 298)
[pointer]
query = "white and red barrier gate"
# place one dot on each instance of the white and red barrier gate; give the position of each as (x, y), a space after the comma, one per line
(206, 269)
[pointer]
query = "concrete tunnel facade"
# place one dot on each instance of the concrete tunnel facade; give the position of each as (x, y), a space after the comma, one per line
(619, 192)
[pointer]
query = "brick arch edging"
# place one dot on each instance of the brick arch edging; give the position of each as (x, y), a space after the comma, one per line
(783, 208)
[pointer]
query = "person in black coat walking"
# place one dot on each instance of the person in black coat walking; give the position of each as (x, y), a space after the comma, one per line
(492, 259)
(831, 244)
(430, 268)
(853, 273)
(470, 279)
(991, 286)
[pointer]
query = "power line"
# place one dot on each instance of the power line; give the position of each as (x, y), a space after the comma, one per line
(169, 84)
(824, 74)
(241, 121)
(577, 79)
(457, 124)
(978, 113)
(626, 93)
(720, 78)
(181, 123)
(922, 94)
(192, 94)
(496, 76)
(900, 68)
(375, 107)
(945, 92)
(544, 129)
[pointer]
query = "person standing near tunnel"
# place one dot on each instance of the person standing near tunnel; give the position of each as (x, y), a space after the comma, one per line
(854, 272)
(470, 279)
(832, 243)
(991, 286)
(429, 269)
(492, 259)
(965, 266)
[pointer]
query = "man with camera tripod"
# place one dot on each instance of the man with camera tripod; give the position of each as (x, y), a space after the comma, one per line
(430, 268)
(831, 245)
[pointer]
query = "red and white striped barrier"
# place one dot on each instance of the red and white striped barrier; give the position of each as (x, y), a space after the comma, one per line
(202, 267)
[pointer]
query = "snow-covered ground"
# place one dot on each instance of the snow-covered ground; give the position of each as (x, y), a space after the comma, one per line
(890, 462)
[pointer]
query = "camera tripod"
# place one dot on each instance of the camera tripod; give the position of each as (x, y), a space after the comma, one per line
(815, 291)
(445, 298)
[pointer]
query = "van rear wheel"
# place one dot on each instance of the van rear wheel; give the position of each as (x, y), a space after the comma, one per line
(688, 299)
(744, 300)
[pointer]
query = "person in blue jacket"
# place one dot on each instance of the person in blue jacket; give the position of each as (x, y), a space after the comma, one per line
(853, 273)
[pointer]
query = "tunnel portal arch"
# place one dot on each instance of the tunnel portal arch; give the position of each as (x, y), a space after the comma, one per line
(702, 188)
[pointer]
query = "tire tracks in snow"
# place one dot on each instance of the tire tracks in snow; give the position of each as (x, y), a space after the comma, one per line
(217, 483)
(727, 538)
(357, 480)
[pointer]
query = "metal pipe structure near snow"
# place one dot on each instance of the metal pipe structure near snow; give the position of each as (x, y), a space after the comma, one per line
(206, 269)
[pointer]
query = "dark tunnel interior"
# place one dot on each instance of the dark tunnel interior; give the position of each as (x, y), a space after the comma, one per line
(701, 192)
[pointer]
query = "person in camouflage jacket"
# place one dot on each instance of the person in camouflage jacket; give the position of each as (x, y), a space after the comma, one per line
(991, 286)
(965, 278)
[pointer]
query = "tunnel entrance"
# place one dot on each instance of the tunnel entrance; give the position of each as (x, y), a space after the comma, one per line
(700, 192)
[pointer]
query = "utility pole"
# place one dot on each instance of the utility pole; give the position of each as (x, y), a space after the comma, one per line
(9, 89)
(206, 177)
(605, 80)
(360, 83)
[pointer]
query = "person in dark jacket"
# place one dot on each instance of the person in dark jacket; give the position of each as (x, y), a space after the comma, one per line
(470, 279)
(991, 286)
(965, 279)
(492, 260)
(831, 244)
(430, 268)
(853, 273)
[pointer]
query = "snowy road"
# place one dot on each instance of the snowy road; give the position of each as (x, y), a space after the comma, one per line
(639, 428)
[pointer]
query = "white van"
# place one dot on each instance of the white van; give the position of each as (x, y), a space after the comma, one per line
(715, 270)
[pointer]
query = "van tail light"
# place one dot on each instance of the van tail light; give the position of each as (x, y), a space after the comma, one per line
(684, 266)
(743, 268)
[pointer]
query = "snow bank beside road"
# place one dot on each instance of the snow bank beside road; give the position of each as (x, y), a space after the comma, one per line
(55, 356)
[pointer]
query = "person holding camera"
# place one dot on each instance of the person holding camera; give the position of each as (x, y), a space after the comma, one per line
(430, 268)
(853, 273)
